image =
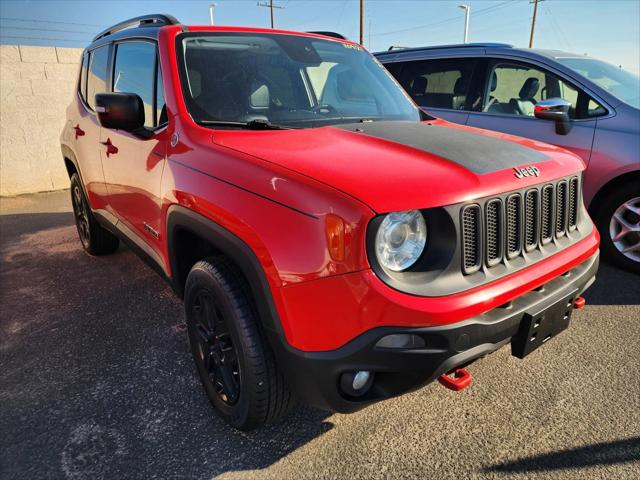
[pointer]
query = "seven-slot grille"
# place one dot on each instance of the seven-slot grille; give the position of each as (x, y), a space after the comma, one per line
(521, 222)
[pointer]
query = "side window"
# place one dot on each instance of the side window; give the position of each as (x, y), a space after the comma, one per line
(161, 107)
(134, 72)
(439, 83)
(514, 89)
(83, 77)
(97, 74)
(594, 109)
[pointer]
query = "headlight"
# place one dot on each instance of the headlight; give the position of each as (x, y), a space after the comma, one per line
(400, 239)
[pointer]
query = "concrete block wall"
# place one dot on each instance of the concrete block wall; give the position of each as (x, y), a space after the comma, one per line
(36, 86)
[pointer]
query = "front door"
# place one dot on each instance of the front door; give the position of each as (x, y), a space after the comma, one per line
(511, 90)
(133, 164)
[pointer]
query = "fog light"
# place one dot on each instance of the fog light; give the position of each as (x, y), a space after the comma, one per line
(360, 379)
(356, 384)
(401, 340)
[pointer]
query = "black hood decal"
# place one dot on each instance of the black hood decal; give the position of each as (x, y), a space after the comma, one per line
(476, 152)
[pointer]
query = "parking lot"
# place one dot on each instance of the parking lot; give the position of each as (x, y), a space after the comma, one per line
(97, 381)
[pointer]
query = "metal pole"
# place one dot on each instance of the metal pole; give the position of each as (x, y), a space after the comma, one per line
(466, 24)
(467, 12)
(211, 7)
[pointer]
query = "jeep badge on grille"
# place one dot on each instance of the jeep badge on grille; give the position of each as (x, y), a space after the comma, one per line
(522, 172)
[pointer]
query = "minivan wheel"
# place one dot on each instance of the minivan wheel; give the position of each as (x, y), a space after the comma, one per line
(618, 220)
(95, 239)
(233, 359)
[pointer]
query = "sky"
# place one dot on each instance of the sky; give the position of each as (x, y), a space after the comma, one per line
(605, 29)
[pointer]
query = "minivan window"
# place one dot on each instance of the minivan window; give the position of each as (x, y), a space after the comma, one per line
(97, 78)
(514, 89)
(618, 82)
(134, 72)
(439, 83)
(287, 80)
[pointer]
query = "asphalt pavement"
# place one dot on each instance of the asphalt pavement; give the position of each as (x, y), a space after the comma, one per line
(96, 381)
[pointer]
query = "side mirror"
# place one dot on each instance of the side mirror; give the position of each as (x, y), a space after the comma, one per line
(122, 111)
(556, 109)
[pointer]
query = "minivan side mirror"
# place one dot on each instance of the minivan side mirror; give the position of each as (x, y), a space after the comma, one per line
(122, 111)
(556, 109)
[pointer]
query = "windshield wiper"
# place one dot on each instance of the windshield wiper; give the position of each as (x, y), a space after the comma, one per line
(257, 124)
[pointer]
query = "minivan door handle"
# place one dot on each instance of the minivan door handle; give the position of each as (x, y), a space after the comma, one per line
(79, 131)
(111, 148)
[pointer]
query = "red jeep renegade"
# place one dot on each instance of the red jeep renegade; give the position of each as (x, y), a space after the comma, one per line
(330, 242)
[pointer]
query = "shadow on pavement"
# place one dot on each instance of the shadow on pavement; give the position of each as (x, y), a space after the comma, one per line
(621, 451)
(97, 380)
(614, 286)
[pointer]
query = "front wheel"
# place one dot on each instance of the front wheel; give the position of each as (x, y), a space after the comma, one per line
(233, 359)
(618, 220)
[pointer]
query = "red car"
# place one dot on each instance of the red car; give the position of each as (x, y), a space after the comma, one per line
(331, 242)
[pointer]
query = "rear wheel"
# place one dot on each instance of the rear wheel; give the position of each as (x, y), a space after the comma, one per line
(233, 359)
(618, 220)
(95, 239)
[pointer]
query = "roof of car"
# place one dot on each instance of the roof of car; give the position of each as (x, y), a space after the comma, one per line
(414, 52)
(147, 26)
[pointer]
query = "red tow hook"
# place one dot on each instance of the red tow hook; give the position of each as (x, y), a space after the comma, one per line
(579, 302)
(457, 380)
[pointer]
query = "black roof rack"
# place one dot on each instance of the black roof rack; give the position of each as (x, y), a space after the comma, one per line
(330, 34)
(155, 19)
(458, 45)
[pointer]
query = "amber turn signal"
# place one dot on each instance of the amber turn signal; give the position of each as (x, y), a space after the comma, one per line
(334, 228)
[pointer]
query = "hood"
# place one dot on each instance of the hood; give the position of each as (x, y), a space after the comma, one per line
(393, 166)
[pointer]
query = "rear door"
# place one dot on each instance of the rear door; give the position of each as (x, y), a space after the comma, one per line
(511, 90)
(443, 88)
(133, 173)
(85, 126)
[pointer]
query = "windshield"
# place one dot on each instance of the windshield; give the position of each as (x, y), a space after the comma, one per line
(618, 82)
(286, 80)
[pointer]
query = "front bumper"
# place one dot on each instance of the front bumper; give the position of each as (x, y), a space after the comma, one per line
(315, 376)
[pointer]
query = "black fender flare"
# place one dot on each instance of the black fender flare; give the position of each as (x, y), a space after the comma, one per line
(68, 154)
(180, 218)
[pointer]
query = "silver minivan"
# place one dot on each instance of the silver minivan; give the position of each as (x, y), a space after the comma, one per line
(576, 102)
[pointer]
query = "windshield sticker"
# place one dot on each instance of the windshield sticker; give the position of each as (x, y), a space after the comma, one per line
(352, 46)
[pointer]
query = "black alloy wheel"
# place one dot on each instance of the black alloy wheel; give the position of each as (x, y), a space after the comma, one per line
(215, 354)
(81, 216)
(95, 239)
(233, 358)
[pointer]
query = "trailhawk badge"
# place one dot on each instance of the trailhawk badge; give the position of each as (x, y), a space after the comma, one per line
(522, 172)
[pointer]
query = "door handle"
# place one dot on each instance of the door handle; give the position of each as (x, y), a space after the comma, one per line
(79, 131)
(111, 148)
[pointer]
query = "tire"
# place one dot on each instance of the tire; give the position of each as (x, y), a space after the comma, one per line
(618, 218)
(234, 361)
(95, 239)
